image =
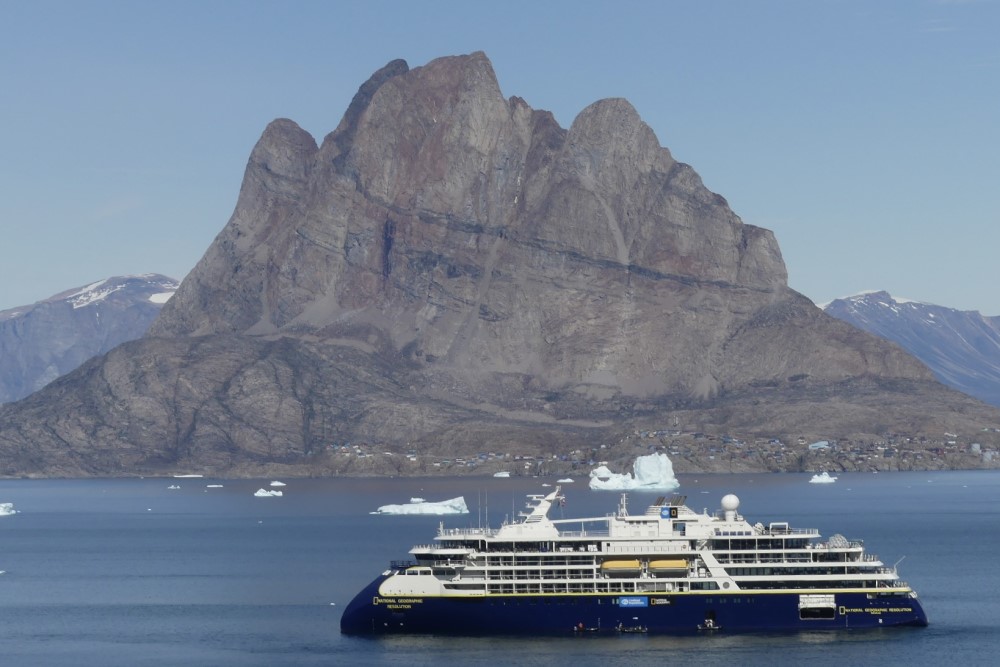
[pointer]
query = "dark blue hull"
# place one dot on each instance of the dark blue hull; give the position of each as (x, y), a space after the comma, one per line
(370, 613)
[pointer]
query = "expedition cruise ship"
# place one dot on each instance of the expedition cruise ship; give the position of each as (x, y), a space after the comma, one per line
(668, 570)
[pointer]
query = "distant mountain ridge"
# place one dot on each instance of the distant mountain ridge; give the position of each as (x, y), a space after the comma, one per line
(961, 347)
(47, 339)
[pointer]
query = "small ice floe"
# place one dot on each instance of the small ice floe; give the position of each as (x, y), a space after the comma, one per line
(564, 481)
(277, 483)
(213, 486)
(264, 493)
(174, 487)
(453, 506)
(187, 476)
(417, 500)
(502, 473)
(7, 509)
(823, 478)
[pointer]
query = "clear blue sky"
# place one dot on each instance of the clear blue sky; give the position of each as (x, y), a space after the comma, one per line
(865, 134)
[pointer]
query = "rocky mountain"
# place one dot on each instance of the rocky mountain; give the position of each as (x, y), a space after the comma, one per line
(961, 347)
(451, 272)
(40, 342)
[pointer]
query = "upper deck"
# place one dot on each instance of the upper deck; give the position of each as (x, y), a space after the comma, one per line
(668, 524)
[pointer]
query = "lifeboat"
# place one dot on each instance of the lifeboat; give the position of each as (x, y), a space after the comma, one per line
(621, 566)
(668, 565)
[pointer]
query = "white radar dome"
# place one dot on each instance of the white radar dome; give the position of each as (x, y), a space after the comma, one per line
(730, 502)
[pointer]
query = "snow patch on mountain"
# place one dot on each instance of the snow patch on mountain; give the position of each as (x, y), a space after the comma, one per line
(93, 293)
(161, 297)
(102, 289)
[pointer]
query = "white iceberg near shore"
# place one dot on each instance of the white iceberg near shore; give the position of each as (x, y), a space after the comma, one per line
(654, 472)
(6, 509)
(264, 493)
(453, 506)
(565, 480)
(277, 483)
(823, 478)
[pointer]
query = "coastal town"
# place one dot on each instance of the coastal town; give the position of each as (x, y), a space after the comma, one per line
(692, 453)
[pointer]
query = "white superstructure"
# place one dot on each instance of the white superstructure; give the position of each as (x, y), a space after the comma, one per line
(667, 549)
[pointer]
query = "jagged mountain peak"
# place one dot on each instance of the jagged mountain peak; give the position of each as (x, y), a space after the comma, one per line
(435, 153)
(452, 270)
(614, 135)
(284, 149)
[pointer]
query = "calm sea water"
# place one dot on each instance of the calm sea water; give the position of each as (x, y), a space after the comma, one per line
(127, 572)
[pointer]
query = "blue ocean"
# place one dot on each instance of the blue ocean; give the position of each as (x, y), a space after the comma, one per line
(131, 572)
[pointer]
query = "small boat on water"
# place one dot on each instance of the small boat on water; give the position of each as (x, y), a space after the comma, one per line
(632, 629)
(708, 626)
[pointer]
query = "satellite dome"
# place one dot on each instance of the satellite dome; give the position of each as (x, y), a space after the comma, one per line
(730, 502)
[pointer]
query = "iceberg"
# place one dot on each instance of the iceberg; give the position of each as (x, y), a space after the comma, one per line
(6, 509)
(174, 487)
(823, 478)
(264, 493)
(277, 483)
(565, 480)
(501, 474)
(453, 506)
(654, 472)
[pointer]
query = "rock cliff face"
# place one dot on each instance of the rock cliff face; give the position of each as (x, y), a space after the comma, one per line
(478, 239)
(40, 342)
(449, 271)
